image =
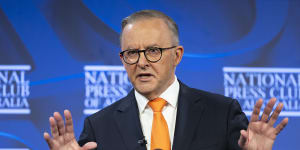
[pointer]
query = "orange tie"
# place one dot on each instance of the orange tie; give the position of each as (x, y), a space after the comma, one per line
(160, 138)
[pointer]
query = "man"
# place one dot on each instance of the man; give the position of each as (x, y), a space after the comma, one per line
(161, 112)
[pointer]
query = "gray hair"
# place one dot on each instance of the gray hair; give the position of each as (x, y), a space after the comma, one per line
(147, 14)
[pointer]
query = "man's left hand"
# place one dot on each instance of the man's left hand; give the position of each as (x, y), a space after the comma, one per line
(261, 134)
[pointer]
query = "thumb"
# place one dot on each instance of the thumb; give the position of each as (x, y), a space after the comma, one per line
(89, 146)
(243, 138)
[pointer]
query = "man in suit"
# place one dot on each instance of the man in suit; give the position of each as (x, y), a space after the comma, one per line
(161, 112)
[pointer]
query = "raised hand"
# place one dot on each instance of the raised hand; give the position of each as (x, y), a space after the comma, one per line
(63, 137)
(261, 134)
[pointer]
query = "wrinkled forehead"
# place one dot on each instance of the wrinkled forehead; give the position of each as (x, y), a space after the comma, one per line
(146, 32)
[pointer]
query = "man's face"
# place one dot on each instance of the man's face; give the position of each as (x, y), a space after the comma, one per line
(151, 79)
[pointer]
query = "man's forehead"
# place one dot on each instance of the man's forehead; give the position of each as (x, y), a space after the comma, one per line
(149, 32)
(129, 26)
(145, 24)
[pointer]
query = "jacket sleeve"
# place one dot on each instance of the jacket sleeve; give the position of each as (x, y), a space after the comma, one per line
(87, 134)
(237, 121)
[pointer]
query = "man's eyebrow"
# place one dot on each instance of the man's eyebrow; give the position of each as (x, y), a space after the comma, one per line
(130, 48)
(151, 46)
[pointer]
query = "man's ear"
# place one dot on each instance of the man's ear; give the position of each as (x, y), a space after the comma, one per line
(179, 53)
(121, 58)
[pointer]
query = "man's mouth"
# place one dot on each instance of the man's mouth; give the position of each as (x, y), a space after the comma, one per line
(144, 76)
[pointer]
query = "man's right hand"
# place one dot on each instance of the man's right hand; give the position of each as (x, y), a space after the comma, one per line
(63, 137)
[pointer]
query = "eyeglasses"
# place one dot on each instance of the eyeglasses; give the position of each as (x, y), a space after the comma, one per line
(152, 54)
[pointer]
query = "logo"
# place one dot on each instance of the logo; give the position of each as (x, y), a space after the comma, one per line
(104, 85)
(248, 84)
(14, 89)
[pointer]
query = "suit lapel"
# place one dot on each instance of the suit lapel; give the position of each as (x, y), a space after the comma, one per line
(190, 108)
(128, 122)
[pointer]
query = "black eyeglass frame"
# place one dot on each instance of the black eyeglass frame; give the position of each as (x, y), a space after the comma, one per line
(144, 51)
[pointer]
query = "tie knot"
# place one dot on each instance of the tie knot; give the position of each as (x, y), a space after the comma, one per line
(157, 104)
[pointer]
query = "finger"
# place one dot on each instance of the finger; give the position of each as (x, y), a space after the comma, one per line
(243, 138)
(48, 140)
(60, 123)
(89, 146)
(275, 114)
(69, 122)
(53, 127)
(256, 111)
(268, 109)
(281, 125)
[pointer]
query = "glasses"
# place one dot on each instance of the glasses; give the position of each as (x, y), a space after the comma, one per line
(152, 54)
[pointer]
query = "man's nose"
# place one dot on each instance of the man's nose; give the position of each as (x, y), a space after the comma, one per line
(142, 62)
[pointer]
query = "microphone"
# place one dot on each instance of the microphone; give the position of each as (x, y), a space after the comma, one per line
(142, 141)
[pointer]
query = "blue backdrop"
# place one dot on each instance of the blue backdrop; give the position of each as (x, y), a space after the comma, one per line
(54, 40)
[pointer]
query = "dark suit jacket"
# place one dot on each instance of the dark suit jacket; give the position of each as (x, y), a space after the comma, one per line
(205, 121)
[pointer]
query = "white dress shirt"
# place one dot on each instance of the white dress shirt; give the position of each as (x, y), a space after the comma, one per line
(169, 111)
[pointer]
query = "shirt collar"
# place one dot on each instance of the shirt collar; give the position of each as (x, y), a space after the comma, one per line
(170, 95)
